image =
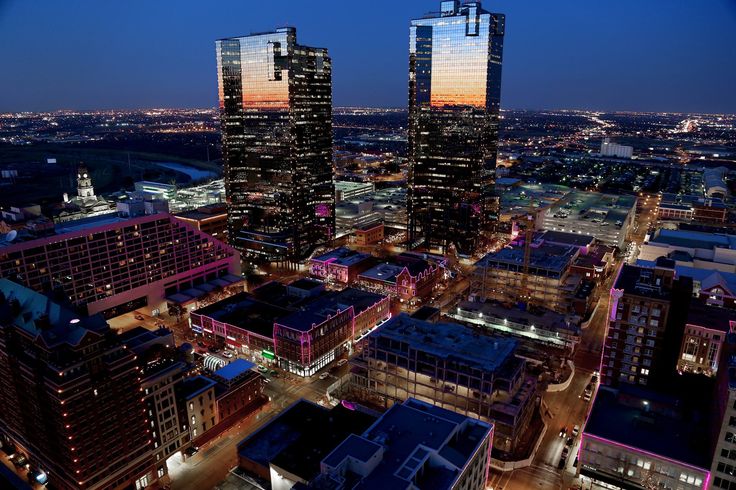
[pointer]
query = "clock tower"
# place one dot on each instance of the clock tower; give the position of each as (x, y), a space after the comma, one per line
(84, 183)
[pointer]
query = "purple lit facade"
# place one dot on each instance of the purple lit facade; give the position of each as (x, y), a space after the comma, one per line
(121, 265)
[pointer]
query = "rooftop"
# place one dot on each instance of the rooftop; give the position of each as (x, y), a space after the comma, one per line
(642, 281)
(233, 370)
(693, 239)
(565, 238)
(389, 269)
(706, 278)
(342, 256)
(328, 305)
(450, 341)
(244, 311)
(663, 425)
(301, 436)
(544, 256)
(422, 446)
(44, 319)
(192, 387)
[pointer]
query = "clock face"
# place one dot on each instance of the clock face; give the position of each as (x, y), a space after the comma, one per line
(85, 176)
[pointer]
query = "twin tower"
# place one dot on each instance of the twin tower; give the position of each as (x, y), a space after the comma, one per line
(275, 100)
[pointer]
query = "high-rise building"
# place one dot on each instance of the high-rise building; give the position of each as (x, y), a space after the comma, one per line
(71, 395)
(454, 97)
(276, 114)
(646, 322)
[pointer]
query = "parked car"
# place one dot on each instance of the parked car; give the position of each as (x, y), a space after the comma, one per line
(563, 461)
(20, 460)
(191, 450)
(227, 354)
(274, 373)
(342, 362)
(324, 375)
(575, 431)
(569, 441)
(262, 368)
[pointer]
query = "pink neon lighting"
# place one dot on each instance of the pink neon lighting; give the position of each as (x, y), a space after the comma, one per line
(641, 451)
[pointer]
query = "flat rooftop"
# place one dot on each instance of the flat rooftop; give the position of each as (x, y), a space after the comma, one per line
(693, 239)
(321, 309)
(544, 319)
(301, 436)
(343, 256)
(234, 369)
(195, 386)
(450, 341)
(424, 446)
(673, 429)
(640, 281)
(245, 311)
(565, 238)
(706, 278)
(544, 256)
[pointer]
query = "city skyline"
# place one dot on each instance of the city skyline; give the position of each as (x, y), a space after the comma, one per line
(560, 59)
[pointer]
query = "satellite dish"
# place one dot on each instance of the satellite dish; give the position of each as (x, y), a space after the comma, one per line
(11, 235)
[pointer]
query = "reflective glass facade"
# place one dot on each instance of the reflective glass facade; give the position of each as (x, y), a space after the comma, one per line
(276, 114)
(455, 60)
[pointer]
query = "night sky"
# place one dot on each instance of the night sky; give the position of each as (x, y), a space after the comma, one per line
(648, 55)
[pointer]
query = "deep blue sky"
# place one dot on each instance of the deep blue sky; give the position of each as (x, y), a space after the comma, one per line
(649, 55)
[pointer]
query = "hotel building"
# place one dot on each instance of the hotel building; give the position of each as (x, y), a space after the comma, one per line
(112, 265)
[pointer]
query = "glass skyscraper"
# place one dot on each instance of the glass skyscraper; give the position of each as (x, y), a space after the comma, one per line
(276, 115)
(454, 96)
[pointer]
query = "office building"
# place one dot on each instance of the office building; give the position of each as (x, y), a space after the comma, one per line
(71, 395)
(112, 265)
(609, 149)
(354, 214)
(683, 208)
(450, 366)
(455, 60)
(276, 115)
(647, 313)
